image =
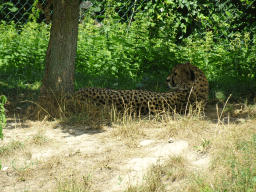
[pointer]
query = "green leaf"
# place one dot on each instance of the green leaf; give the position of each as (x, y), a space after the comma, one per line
(100, 16)
(13, 9)
(97, 9)
(3, 99)
(8, 3)
(228, 13)
(169, 1)
(206, 4)
(116, 18)
(106, 28)
(215, 17)
(2, 116)
(121, 41)
(99, 38)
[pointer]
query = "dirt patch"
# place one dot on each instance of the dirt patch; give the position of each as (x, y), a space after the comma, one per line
(49, 156)
(111, 164)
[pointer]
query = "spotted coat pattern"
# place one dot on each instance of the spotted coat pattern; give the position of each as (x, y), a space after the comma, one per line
(188, 84)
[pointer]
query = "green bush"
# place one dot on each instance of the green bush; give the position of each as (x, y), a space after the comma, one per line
(146, 44)
(23, 50)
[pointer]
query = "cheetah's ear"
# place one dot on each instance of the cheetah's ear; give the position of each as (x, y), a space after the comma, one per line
(192, 75)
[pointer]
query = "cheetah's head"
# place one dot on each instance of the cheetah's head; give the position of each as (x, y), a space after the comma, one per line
(182, 77)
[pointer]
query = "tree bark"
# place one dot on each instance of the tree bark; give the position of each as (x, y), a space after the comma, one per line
(61, 51)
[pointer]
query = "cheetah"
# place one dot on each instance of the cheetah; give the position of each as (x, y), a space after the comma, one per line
(188, 83)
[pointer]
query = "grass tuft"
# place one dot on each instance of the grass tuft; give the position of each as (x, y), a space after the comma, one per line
(8, 149)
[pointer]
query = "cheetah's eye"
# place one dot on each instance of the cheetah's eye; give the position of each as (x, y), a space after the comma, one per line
(173, 83)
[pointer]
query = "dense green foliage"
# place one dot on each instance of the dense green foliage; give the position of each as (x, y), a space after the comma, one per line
(143, 44)
(23, 50)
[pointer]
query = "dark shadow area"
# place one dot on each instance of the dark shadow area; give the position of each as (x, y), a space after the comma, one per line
(77, 130)
(241, 90)
(17, 95)
(230, 113)
(151, 82)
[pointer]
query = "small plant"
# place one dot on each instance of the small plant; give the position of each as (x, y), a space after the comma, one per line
(2, 116)
(74, 184)
(24, 171)
(9, 148)
(204, 146)
(39, 138)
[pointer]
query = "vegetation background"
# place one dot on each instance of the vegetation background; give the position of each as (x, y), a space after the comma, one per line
(136, 42)
(134, 45)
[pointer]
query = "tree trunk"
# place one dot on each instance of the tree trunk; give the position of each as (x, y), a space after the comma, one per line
(61, 52)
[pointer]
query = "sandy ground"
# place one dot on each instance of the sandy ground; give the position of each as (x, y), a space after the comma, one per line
(76, 152)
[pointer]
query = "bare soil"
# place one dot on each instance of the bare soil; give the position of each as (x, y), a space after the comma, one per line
(55, 154)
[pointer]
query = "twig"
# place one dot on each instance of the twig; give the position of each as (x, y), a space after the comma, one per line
(188, 100)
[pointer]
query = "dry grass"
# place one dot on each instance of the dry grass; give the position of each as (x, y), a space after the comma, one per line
(39, 139)
(158, 176)
(70, 156)
(10, 148)
(231, 145)
(70, 110)
(75, 184)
